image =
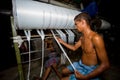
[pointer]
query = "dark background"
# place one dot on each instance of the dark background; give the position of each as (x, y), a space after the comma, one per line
(109, 9)
(7, 55)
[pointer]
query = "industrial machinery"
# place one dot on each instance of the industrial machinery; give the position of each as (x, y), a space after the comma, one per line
(36, 22)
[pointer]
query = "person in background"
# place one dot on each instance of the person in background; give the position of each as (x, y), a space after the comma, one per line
(94, 60)
(51, 63)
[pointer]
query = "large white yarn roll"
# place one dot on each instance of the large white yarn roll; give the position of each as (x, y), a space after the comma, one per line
(30, 14)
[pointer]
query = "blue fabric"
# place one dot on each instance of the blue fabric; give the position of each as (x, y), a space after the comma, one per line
(91, 9)
(83, 69)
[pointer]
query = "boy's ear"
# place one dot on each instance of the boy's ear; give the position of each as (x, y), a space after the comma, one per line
(83, 21)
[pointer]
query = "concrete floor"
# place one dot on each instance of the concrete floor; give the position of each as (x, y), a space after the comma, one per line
(12, 74)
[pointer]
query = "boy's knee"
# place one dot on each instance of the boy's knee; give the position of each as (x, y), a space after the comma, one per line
(64, 71)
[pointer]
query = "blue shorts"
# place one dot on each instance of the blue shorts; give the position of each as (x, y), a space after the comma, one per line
(82, 68)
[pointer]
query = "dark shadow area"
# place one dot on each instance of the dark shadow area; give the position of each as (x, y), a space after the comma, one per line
(7, 57)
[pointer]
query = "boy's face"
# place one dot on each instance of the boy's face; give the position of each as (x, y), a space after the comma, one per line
(78, 25)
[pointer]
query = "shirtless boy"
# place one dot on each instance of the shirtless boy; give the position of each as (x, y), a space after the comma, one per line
(94, 58)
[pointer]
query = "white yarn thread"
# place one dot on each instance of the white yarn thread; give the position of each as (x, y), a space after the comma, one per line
(42, 16)
(63, 50)
(28, 35)
(18, 40)
(42, 37)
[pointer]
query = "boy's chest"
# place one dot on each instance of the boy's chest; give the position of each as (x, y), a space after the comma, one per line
(87, 44)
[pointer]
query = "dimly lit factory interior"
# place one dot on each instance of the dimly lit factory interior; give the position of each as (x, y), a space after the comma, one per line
(29, 27)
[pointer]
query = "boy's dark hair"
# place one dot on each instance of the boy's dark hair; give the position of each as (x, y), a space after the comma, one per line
(95, 23)
(83, 15)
